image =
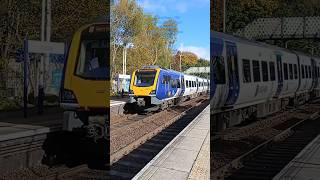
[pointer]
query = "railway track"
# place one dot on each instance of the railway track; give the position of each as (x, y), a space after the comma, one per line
(130, 160)
(266, 159)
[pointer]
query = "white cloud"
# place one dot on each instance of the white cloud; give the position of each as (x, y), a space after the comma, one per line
(201, 52)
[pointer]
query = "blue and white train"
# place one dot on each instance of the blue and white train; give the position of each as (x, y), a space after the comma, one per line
(157, 87)
(252, 79)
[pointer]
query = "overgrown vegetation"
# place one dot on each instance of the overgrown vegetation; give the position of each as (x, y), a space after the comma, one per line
(242, 12)
(21, 18)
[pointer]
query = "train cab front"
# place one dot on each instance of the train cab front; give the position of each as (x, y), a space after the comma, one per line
(85, 86)
(143, 87)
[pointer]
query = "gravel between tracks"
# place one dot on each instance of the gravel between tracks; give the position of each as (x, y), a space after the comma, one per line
(122, 136)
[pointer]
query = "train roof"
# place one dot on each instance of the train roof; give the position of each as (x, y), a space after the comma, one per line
(255, 43)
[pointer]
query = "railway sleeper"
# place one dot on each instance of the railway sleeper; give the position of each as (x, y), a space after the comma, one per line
(256, 164)
(153, 145)
(132, 162)
(260, 168)
(147, 150)
(123, 174)
(140, 156)
(248, 176)
(258, 172)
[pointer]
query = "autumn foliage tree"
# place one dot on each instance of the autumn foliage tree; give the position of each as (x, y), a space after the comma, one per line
(152, 41)
(188, 59)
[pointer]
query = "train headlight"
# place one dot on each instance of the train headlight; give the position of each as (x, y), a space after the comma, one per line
(152, 92)
(68, 96)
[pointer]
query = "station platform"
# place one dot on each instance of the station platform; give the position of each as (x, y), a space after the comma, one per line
(13, 123)
(21, 139)
(306, 165)
(187, 156)
(117, 104)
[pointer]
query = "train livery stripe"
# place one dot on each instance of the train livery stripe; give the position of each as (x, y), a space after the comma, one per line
(233, 73)
(216, 49)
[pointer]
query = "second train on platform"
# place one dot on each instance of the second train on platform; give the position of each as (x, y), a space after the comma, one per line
(155, 87)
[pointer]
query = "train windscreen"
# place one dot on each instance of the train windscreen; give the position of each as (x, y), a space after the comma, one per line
(144, 78)
(93, 60)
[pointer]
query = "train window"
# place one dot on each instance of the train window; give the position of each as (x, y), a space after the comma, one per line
(265, 74)
(178, 83)
(306, 70)
(302, 71)
(256, 71)
(219, 67)
(145, 78)
(246, 70)
(187, 83)
(285, 71)
(309, 71)
(272, 71)
(92, 60)
(290, 71)
(295, 69)
(318, 71)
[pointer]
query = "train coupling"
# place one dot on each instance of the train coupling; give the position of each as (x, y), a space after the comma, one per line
(141, 102)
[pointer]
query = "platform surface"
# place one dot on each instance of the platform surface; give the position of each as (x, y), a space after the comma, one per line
(117, 101)
(9, 131)
(15, 126)
(305, 166)
(187, 156)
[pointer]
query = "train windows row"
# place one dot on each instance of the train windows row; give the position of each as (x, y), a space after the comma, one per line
(256, 71)
(290, 71)
(190, 84)
(174, 83)
(194, 84)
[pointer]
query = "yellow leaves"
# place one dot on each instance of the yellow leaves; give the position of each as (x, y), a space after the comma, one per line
(187, 59)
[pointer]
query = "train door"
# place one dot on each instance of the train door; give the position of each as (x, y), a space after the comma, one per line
(218, 85)
(163, 87)
(280, 74)
(166, 85)
(182, 86)
(233, 73)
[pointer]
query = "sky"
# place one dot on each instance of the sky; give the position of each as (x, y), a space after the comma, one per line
(193, 17)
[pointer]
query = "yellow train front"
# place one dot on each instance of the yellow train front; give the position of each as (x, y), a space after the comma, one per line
(153, 88)
(85, 82)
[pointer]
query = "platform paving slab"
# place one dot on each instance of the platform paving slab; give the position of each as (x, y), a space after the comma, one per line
(305, 166)
(186, 156)
(9, 131)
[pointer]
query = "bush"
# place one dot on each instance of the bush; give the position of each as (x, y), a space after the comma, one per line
(7, 104)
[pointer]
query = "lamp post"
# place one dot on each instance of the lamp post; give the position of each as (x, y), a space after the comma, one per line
(180, 60)
(124, 57)
(224, 15)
